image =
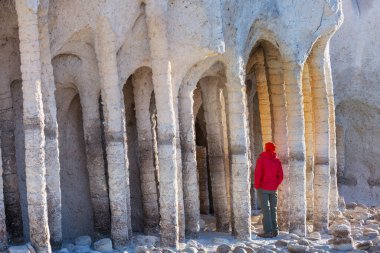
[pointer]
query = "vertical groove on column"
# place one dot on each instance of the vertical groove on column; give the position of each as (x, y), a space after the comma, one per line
(296, 143)
(3, 225)
(203, 180)
(33, 125)
(309, 135)
(215, 145)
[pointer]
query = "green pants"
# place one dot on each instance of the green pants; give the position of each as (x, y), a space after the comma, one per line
(268, 204)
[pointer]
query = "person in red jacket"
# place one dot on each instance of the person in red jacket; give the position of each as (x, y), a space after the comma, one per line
(268, 176)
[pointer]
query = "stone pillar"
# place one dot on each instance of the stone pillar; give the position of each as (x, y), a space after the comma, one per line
(10, 177)
(156, 12)
(3, 225)
(95, 164)
(309, 135)
(334, 195)
(296, 143)
(341, 149)
(239, 148)
(213, 116)
(53, 186)
(189, 165)
(203, 180)
(280, 130)
(263, 94)
(321, 137)
(142, 89)
(33, 124)
(114, 133)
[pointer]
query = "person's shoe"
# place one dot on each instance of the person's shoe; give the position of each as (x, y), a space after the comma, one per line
(275, 233)
(265, 235)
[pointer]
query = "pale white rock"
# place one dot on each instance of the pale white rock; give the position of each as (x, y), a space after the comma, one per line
(19, 249)
(83, 241)
(103, 245)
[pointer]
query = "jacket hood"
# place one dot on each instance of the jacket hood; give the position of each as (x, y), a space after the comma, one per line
(269, 155)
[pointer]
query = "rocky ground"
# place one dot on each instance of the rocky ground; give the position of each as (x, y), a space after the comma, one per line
(353, 229)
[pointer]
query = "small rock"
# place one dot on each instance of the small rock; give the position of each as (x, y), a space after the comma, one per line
(224, 248)
(376, 241)
(370, 232)
(193, 243)
(83, 241)
(103, 245)
(63, 250)
(264, 250)
(18, 249)
(315, 236)
(30, 247)
(364, 245)
(147, 240)
(82, 249)
(202, 224)
(167, 251)
(68, 246)
(142, 249)
(239, 249)
(202, 250)
(281, 243)
(304, 242)
(189, 250)
(341, 204)
(249, 249)
(296, 248)
(341, 230)
(220, 241)
(351, 205)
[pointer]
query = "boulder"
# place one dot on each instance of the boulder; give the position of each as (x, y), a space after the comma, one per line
(341, 231)
(351, 205)
(19, 249)
(343, 244)
(218, 240)
(369, 232)
(296, 248)
(142, 249)
(68, 246)
(189, 250)
(239, 249)
(364, 245)
(147, 240)
(103, 245)
(83, 241)
(376, 241)
(281, 243)
(224, 248)
(193, 243)
(303, 241)
(63, 250)
(82, 249)
(315, 236)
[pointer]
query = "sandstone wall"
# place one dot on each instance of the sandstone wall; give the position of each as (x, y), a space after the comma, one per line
(355, 61)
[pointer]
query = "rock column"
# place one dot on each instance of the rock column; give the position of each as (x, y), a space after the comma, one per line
(321, 137)
(296, 143)
(3, 225)
(53, 186)
(216, 159)
(33, 118)
(166, 127)
(309, 135)
(189, 165)
(114, 132)
(203, 180)
(143, 88)
(280, 130)
(239, 149)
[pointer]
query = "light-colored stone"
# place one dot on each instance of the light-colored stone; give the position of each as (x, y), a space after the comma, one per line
(83, 241)
(103, 245)
(364, 245)
(147, 240)
(224, 248)
(296, 248)
(19, 249)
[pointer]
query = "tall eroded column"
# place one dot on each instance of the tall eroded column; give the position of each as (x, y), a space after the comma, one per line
(156, 12)
(263, 94)
(321, 137)
(334, 194)
(216, 159)
(53, 185)
(239, 148)
(189, 164)
(296, 143)
(280, 130)
(114, 132)
(309, 136)
(33, 118)
(95, 164)
(142, 89)
(3, 225)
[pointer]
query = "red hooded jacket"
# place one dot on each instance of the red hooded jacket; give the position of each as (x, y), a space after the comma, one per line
(268, 171)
